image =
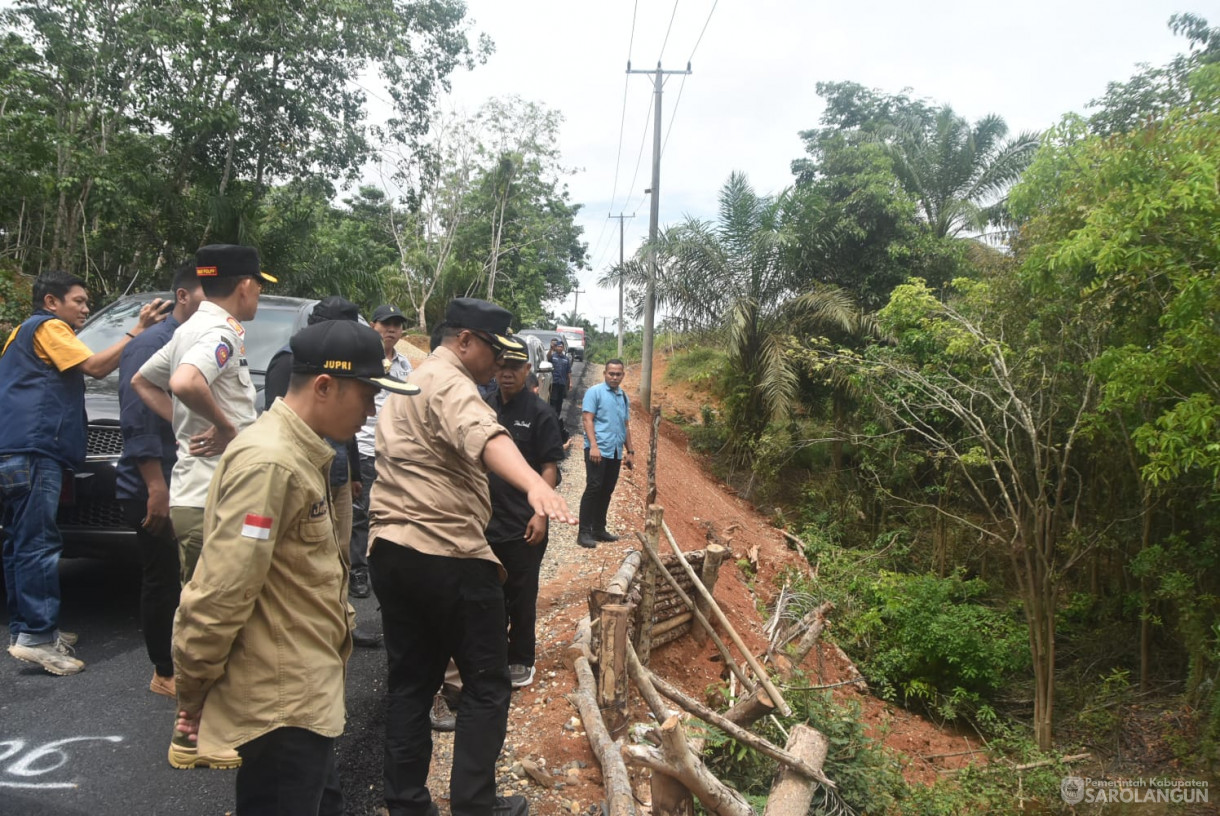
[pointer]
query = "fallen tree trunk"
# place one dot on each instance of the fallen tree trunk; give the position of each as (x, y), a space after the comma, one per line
(674, 759)
(793, 792)
(607, 751)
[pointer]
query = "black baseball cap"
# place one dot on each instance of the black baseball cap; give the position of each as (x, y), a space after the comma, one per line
(343, 348)
(334, 308)
(229, 261)
(479, 315)
(388, 312)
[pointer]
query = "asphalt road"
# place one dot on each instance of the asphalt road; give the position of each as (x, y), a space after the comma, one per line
(95, 743)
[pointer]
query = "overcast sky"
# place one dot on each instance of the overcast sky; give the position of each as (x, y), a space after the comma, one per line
(752, 86)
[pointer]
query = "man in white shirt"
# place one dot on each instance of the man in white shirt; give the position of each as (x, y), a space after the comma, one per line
(389, 323)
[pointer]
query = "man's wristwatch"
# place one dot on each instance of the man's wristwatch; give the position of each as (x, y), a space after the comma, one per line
(630, 452)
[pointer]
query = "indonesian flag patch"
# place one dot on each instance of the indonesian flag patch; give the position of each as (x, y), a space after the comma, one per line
(257, 527)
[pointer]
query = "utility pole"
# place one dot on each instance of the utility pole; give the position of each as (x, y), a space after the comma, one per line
(620, 218)
(650, 291)
(576, 304)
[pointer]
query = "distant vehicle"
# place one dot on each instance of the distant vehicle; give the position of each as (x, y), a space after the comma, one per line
(90, 518)
(540, 365)
(574, 338)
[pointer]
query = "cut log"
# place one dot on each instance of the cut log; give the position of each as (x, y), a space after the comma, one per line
(612, 668)
(765, 680)
(708, 574)
(724, 650)
(665, 689)
(672, 635)
(607, 752)
(793, 792)
(674, 759)
(648, 595)
(622, 579)
(581, 645)
(664, 626)
(599, 598)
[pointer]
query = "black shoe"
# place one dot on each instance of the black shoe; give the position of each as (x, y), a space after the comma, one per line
(365, 638)
(587, 540)
(358, 586)
(511, 806)
(605, 535)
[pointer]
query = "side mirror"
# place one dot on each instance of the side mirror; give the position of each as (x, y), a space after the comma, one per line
(544, 367)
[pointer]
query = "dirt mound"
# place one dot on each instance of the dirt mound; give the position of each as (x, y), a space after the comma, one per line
(545, 727)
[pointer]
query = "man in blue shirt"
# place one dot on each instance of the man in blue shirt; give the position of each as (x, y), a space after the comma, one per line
(604, 414)
(142, 484)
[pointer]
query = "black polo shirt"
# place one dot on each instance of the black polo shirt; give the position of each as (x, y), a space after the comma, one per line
(534, 427)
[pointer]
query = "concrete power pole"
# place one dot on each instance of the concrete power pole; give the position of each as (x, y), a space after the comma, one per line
(650, 291)
(576, 303)
(620, 218)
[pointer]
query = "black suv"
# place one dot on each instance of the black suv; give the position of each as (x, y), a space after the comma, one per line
(90, 518)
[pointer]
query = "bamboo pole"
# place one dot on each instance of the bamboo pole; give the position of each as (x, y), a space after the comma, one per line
(772, 691)
(651, 498)
(648, 593)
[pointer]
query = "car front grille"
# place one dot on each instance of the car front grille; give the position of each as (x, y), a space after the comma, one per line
(104, 514)
(105, 442)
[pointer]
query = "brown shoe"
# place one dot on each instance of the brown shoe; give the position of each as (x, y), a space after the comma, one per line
(51, 656)
(163, 685)
(187, 758)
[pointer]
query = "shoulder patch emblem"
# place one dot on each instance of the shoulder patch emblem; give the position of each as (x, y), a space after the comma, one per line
(256, 526)
(237, 327)
(223, 352)
(317, 509)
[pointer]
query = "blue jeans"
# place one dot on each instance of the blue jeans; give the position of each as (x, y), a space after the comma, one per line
(29, 493)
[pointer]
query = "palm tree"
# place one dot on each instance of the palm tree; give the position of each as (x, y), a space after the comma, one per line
(958, 174)
(740, 275)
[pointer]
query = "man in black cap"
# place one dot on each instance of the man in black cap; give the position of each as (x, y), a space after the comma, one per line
(204, 368)
(436, 577)
(345, 469)
(263, 631)
(517, 535)
(389, 323)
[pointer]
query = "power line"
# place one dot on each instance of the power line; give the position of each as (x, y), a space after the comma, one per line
(701, 33)
(673, 115)
(667, 30)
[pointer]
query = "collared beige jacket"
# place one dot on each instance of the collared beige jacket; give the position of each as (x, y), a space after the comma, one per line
(263, 630)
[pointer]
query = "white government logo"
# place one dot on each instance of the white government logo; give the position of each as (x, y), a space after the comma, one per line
(1072, 790)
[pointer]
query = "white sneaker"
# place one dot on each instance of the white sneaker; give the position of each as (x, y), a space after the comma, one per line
(50, 656)
(520, 676)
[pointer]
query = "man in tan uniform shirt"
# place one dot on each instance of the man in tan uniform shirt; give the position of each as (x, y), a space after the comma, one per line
(263, 631)
(437, 580)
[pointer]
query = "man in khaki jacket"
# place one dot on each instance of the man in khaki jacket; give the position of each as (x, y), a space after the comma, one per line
(263, 631)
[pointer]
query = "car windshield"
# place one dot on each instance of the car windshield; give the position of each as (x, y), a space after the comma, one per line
(265, 335)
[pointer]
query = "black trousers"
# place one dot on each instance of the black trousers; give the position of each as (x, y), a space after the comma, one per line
(434, 608)
(558, 392)
(360, 515)
(600, 480)
(289, 772)
(522, 562)
(159, 586)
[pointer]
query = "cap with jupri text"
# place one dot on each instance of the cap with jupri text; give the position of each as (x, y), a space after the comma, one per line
(479, 315)
(343, 348)
(229, 261)
(388, 312)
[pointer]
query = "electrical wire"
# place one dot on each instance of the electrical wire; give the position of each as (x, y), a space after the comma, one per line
(667, 30)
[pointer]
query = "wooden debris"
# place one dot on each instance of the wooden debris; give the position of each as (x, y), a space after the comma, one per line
(607, 752)
(612, 667)
(761, 673)
(713, 555)
(674, 759)
(793, 792)
(537, 773)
